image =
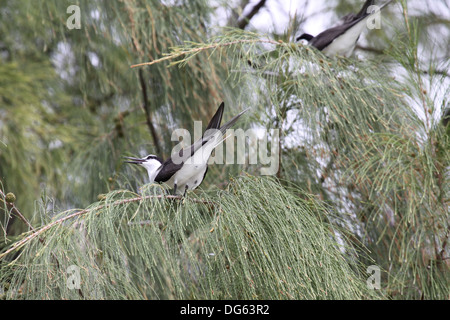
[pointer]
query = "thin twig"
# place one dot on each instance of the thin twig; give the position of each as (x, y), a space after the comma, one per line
(37, 232)
(245, 20)
(13, 209)
(148, 112)
(196, 50)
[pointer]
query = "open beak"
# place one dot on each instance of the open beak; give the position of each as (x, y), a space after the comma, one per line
(134, 160)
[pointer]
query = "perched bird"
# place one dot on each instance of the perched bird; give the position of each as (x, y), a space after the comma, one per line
(341, 40)
(187, 169)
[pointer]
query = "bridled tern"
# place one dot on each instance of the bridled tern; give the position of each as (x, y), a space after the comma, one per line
(187, 169)
(341, 40)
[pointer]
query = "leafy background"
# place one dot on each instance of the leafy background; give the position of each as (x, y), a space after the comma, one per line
(364, 152)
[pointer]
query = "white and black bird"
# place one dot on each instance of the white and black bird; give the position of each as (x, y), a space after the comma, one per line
(187, 169)
(341, 40)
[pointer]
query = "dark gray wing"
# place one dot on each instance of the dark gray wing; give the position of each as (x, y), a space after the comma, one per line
(362, 13)
(214, 124)
(174, 163)
(208, 134)
(215, 121)
(167, 171)
(323, 39)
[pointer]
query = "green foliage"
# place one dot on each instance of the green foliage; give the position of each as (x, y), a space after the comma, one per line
(27, 126)
(365, 137)
(254, 240)
(72, 93)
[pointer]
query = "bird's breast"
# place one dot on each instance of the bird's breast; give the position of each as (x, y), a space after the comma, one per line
(189, 174)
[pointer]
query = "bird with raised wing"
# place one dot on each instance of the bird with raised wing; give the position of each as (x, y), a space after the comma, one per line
(186, 169)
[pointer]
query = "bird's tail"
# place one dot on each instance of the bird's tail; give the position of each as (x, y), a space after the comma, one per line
(212, 138)
(222, 140)
(230, 123)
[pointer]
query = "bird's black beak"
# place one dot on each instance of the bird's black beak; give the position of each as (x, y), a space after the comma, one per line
(134, 160)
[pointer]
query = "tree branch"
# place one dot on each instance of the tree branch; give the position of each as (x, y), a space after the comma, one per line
(193, 51)
(244, 21)
(38, 232)
(436, 71)
(12, 208)
(148, 115)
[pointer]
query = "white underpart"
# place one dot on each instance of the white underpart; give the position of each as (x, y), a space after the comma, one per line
(345, 44)
(192, 172)
(153, 167)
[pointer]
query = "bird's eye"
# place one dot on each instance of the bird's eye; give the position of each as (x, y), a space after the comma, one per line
(150, 157)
